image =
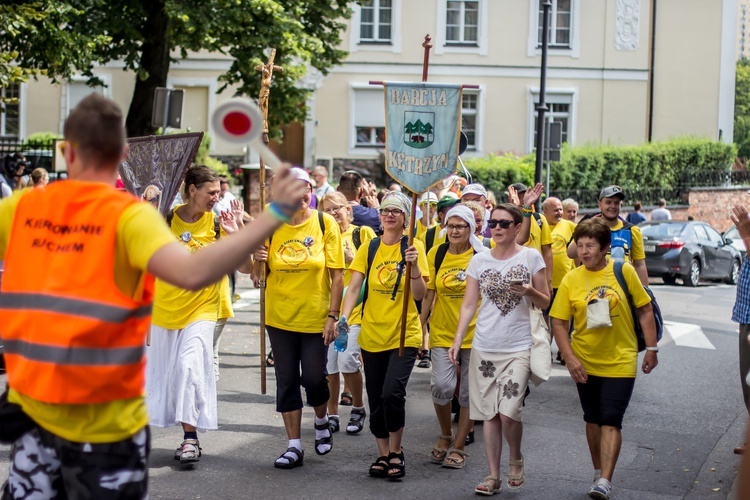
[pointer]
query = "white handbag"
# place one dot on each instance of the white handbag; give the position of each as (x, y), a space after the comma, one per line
(541, 352)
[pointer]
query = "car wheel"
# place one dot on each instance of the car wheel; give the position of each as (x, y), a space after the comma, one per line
(669, 279)
(693, 276)
(734, 273)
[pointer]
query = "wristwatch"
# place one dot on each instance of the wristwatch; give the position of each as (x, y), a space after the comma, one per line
(652, 349)
(333, 317)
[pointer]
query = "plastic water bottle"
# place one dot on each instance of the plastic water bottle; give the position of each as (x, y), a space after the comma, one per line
(342, 340)
(618, 253)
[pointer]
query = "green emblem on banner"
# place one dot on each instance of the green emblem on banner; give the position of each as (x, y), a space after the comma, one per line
(419, 129)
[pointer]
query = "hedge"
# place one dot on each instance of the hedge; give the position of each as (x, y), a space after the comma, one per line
(657, 165)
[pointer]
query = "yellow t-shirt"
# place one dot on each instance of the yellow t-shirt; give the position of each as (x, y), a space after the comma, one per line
(562, 233)
(449, 283)
(174, 307)
(436, 239)
(381, 324)
(365, 235)
(298, 287)
(539, 236)
(422, 229)
(636, 252)
(607, 351)
(141, 231)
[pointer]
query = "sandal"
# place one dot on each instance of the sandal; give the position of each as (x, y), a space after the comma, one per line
(356, 421)
(189, 452)
(346, 399)
(379, 468)
(519, 478)
(334, 423)
(489, 486)
(455, 462)
(326, 440)
(269, 359)
(396, 470)
(438, 454)
(425, 360)
(469, 438)
(291, 462)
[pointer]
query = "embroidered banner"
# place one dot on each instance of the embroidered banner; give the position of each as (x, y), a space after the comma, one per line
(423, 125)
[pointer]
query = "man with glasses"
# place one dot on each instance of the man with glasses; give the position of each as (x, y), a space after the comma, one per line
(350, 185)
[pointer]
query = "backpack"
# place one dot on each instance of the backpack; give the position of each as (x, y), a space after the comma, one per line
(429, 238)
(357, 238)
(538, 219)
(658, 319)
(372, 249)
(620, 238)
(440, 255)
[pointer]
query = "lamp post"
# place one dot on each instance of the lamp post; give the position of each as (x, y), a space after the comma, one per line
(541, 108)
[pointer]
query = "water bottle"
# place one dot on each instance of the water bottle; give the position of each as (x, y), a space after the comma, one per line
(618, 254)
(339, 344)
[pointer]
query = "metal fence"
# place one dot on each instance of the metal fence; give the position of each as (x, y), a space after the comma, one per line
(36, 155)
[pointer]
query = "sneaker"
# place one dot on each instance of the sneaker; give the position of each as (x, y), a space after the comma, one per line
(356, 421)
(188, 452)
(600, 490)
(333, 423)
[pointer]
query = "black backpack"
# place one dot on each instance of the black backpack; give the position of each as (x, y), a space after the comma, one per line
(371, 251)
(357, 238)
(441, 253)
(658, 318)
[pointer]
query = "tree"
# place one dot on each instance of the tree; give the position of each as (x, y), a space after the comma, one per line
(148, 35)
(742, 108)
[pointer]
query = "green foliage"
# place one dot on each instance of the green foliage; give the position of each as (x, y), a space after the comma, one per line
(656, 165)
(217, 166)
(63, 37)
(742, 108)
(42, 139)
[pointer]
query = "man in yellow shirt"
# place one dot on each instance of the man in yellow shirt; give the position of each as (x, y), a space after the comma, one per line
(562, 235)
(86, 435)
(540, 236)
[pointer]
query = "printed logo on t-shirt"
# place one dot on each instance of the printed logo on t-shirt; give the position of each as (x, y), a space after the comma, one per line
(559, 245)
(604, 292)
(495, 285)
(386, 274)
(454, 280)
(294, 253)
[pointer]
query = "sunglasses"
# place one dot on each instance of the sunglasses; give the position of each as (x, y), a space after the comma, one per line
(503, 223)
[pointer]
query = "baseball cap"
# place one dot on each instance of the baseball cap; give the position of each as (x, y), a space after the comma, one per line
(476, 189)
(300, 174)
(520, 187)
(428, 197)
(611, 191)
(446, 202)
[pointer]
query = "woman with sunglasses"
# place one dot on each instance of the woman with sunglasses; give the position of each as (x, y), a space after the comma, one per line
(387, 373)
(180, 379)
(510, 278)
(348, 362)
(304, 285)
(442, 304)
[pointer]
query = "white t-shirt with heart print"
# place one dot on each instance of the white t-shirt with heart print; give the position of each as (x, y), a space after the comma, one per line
(503, 323)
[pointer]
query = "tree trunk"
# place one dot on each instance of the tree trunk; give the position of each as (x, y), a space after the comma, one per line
(155, 62)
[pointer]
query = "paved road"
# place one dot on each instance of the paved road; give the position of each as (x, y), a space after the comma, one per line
(682, 424)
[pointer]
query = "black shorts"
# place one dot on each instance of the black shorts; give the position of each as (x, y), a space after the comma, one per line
(605, 399)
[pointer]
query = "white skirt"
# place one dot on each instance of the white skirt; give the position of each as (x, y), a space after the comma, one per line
(180, 382)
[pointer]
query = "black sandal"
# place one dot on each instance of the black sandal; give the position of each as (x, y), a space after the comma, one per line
(326, 440)
(379, 468)
(425, 359)
(356, 421)
(469, 438)
(396, 470)
(269, 359)
(346, 399)
(291, 463)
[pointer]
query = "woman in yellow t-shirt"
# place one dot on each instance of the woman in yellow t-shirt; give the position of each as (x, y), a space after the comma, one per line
(304, 284)
(180, 380)
(347, 362)
(386, 372)
(442, 305)
(603, 356)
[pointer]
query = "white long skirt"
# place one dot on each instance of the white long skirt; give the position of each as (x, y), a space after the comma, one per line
(180, 381)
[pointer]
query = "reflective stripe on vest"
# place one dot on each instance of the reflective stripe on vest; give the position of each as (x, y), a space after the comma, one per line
(76, 307)
(75, 355)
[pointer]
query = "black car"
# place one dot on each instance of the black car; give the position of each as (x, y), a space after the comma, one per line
(690, 251)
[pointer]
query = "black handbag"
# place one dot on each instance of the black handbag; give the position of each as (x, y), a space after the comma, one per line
(14, 423)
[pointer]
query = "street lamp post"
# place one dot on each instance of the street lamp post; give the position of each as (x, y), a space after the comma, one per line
(541, 108)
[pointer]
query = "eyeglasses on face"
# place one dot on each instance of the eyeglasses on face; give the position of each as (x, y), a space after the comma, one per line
(394, 212)
(457, 227)
(503, 223)
(331, 210)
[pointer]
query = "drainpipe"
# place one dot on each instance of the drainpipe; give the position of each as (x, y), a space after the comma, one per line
(651, 59)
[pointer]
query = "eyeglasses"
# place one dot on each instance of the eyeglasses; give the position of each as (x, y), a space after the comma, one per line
(459, 227)
(503, 223)
(394, 212)
(331, 210)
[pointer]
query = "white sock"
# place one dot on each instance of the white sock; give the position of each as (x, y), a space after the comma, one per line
(604, 483)
(293, 443)
(597, 474)
(322, 433)
(354, 428)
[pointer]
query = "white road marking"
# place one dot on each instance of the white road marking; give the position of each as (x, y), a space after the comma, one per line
(247, 298)
(687, 335)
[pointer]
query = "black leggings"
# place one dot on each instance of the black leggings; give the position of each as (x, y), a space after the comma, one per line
(605, 399)
(290, 351)
(386, 376)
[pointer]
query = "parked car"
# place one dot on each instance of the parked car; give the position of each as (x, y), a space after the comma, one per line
(732, 236)
(690, 251)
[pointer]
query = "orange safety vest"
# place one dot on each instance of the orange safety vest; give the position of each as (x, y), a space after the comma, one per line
(71, 336)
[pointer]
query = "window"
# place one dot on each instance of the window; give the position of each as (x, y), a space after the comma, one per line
(713, 235)
(78, 91)
(10, 112)
(469, 107)
(560, 108)
(462, 22)
(375, 21)
(560, 24)
(369, 118)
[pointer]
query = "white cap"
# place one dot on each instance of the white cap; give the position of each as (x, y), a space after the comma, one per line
(301, 175)
(475, 188)
(428, 197)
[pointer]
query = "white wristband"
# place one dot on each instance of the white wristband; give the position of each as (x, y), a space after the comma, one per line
(652, 349)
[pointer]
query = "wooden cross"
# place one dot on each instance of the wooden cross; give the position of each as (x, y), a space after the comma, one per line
(265, 88)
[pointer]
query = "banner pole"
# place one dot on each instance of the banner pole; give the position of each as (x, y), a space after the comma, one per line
(265, 90)
(427, 45)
